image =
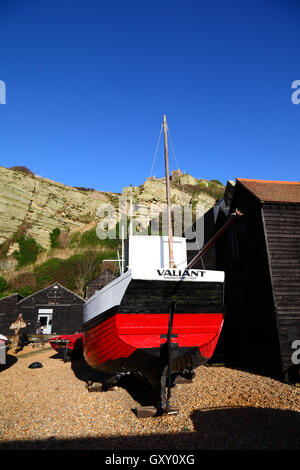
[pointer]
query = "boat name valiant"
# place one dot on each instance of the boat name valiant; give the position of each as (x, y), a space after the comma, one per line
(180, 273)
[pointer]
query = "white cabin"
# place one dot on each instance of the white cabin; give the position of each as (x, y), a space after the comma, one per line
(145, 253)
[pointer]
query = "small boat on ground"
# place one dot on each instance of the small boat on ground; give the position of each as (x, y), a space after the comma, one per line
(4, 344)
(68, 346)
(159, 319)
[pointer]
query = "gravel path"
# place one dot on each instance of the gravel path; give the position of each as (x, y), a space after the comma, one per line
(50, 408)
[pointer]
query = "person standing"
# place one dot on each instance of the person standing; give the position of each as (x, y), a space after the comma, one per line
(38, 328)
(17, 326)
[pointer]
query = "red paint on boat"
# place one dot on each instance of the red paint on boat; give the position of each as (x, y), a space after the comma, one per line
(122, 334)
(74, 342)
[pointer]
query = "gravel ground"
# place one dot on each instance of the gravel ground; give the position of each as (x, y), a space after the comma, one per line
(50, 408)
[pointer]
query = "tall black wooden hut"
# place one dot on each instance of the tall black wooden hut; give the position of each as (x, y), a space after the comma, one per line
(211, 222)
(96, 284)
(8, 313)
(58, 309)
(260, 254)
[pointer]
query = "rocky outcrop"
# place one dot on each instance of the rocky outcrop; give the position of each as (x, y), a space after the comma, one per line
(154, 191)
(39, 205)
(185, 190)
(187, 179)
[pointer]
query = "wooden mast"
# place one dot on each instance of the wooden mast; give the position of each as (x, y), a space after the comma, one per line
(170, 234)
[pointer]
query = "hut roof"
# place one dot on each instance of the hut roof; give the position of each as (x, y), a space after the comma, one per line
(273, 191)
(48, 287)
(18, 296)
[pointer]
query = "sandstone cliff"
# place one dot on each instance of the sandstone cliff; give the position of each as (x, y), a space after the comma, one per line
(40, 205)
(32, 207)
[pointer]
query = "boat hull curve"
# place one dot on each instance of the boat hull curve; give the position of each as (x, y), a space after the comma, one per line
(127, 324)
(130, 342)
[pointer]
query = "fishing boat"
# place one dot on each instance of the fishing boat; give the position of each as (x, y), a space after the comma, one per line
(160, 319)
(68, 346)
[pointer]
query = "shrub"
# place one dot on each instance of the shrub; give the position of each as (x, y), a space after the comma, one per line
(89, 238)
(4, 247)
(28, 251)
(26, 291)
(46, 273)
(82, 188)
(54, 238)
(74, 272)
(215, 190)
(23, 169)
(24, 279)
(3, 284)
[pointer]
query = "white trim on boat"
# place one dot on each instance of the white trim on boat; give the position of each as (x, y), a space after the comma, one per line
(106, 298)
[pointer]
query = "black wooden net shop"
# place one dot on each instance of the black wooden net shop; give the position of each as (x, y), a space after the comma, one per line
(58, 309)
(8, 313)
(260, 255)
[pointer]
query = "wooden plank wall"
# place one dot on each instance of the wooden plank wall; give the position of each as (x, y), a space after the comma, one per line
(250, 332)
(97, 284)
(282, 228)
(67, 310)
(8, 313)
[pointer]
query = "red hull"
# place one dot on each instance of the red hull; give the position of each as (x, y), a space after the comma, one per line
(72, 342)
(120, 336)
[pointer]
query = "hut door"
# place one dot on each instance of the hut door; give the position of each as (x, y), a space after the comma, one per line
(45, 317)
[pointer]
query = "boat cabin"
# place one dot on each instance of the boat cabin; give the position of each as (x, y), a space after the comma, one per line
(144, 253)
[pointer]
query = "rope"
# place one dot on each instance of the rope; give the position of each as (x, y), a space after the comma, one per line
(156, 150)
(176, 162)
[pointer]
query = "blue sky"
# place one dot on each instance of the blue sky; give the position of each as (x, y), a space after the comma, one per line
(88, 82)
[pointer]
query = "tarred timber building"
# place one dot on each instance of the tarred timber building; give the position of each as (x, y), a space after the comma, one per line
(101, 281)
(261, 258)
(8, 312)
(58, 309)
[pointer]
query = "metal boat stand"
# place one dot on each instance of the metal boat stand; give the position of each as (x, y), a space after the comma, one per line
(163, 395)
(104, 386)
(163, 379)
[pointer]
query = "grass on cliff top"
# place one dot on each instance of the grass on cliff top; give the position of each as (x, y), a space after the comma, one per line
(89, 238)
(73, 266)
(73, 272)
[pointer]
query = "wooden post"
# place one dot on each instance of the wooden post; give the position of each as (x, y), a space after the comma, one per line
(170, 234)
